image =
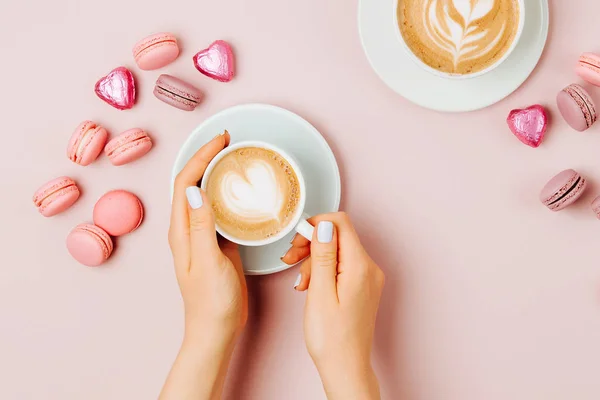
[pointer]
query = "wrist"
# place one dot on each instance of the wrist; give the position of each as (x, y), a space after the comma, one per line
(216, 332)
(208, 341)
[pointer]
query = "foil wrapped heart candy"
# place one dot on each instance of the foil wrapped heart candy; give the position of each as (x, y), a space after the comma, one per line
(117, 88)
(216, 61)
(529, 124)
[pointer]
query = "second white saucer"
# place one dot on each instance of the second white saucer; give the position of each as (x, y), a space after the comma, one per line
(389, 59)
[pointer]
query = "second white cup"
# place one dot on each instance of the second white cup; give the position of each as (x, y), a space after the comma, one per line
(424, 66)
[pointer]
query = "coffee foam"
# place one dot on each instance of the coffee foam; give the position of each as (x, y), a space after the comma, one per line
(254, 193)
(459, 36)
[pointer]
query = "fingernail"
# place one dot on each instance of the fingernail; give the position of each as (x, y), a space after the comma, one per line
(285, 254)
(293, 237)
(298, 280)
(325, 232)
(194, 197)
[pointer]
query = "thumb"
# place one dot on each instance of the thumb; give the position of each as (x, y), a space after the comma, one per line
(203, 236)
(324, 258)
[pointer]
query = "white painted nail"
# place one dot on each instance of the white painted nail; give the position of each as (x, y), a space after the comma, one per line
(194, 197)
(325, 232)
(298, 280)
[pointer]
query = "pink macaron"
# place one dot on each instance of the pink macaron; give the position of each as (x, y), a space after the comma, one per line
(89, 245)
(577, 107)
(118, 212)
(563, 190)
(588, 68)
(156, 51)
(128, 146)
(177, 93)
(86, 143)
(56, 196)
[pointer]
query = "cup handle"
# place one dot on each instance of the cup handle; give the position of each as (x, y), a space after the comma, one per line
(305, 228)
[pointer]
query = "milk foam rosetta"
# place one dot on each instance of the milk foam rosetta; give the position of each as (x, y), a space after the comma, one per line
(459, 36)
(254, 193)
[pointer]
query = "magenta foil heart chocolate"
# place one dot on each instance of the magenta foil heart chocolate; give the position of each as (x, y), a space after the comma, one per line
(117, 88)
(216, 61)
(529, 124)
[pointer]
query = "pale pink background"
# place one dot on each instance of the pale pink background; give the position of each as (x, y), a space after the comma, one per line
(489, 295)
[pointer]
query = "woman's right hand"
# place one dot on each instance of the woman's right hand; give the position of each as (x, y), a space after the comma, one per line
(344, 287)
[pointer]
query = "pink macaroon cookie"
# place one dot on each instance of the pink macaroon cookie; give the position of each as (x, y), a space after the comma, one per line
(156, 51)
(86, 143)
(177, 93)
(89, 245)
(563, 190)
(128, 146)
(577, 107)
(588, 68)
(56, 196)
(118, 212)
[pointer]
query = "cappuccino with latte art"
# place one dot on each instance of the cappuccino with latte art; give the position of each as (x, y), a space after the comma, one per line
(459, 37)
(254, 192)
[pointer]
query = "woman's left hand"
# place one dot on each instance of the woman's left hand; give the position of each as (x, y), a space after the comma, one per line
(209, 269)
(213, 287)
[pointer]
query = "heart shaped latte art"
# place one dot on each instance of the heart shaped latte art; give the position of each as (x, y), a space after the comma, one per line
(255, 195)
(117, 88)
(216, 61)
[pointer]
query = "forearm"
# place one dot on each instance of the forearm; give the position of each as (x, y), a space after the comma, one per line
(350, 383)
(199, 371)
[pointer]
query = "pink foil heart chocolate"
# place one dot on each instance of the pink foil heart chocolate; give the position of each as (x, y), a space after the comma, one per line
(117, 88)
(529, 124)
(216, 61)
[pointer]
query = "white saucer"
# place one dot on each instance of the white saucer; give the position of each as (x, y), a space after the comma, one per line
(291, 133)
(388, 57)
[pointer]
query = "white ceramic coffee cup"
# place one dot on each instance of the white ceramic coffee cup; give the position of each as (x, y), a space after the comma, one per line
(446, 75)
(299, 223)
